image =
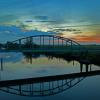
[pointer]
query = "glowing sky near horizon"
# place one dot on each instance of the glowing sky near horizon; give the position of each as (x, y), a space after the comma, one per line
(76, 19)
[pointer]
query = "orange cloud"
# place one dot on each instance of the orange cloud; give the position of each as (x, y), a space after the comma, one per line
(89, 39)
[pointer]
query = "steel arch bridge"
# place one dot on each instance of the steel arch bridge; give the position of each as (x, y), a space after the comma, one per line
(42, 88)
(46, 43)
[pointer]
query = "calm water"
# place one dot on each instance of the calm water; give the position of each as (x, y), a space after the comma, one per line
(18, 66)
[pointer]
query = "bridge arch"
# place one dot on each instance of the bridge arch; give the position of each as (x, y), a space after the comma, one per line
(51, 38)
(48, 43)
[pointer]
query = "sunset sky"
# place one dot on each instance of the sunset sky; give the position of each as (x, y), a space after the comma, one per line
(75, 19)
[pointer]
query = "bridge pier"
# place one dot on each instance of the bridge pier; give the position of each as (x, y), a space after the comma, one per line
(81, 67)
(86, 67)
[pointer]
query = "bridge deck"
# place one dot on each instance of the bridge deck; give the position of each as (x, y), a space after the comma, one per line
(46, 50)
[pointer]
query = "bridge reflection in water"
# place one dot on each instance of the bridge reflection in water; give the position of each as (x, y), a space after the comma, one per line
(44, 86)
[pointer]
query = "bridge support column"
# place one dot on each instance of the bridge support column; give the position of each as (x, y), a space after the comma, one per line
(87, 67)
(81, 67)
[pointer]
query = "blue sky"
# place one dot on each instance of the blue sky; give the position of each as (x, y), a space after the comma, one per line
(76, 19)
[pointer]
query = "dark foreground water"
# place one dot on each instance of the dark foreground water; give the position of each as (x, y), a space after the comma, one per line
(19, 66)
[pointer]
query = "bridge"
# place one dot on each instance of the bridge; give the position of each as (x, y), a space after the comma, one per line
(39, 89)
(45, 43)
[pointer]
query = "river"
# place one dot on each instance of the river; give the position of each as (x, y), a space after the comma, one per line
(21, 66)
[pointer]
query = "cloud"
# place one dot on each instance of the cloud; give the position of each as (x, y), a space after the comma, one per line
(41, 17)
(10, 33)
(44, 21)
(71, 30)
(87, 39)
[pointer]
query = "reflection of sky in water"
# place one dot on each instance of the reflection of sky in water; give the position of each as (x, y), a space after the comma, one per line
(11, 57)
(17, 66)
(88, 89)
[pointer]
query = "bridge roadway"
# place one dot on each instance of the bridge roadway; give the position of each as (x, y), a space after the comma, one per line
(7, 83)
(40, 50)
(54, 50)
